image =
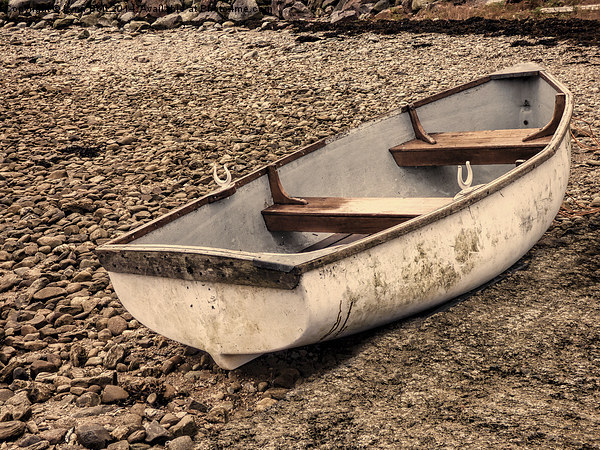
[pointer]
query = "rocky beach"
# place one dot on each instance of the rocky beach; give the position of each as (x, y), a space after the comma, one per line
(103, 129)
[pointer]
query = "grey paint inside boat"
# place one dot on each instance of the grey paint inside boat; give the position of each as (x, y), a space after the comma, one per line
(338, 169)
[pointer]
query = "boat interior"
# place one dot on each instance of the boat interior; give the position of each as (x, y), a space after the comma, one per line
(383, 173)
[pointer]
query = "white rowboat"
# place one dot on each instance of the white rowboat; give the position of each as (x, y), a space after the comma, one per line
(378, 228)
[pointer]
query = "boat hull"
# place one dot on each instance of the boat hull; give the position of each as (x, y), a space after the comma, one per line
(416, 270)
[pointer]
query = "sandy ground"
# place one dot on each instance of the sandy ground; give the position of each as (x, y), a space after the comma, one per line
(116, 129)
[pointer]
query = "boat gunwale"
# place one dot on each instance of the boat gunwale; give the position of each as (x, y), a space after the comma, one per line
(121, 245)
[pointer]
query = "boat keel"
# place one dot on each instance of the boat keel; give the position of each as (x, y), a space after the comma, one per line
(230, 362)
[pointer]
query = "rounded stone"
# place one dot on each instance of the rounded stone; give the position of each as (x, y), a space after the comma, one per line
(116, 325)
(114, 394)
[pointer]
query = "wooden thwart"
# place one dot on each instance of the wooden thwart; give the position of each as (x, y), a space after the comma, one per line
(348, 215)
(479, 147)
(350, 218)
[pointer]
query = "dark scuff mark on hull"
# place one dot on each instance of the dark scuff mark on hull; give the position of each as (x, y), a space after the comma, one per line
(344, 325)
(335, 325)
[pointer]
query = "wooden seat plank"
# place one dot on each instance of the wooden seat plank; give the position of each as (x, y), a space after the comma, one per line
(478, 147)
(348, 215)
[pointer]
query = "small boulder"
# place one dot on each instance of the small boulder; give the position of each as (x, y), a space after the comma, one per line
(120, 445)
(381, 5)
(8, 281)
(40, 366)
(18, 6)
(243, 10)
(298, 11)
(287, 378)
(218, 414)
(63, 22)
(386, 14)
(206, 16)
(167, 22)
(31, 441)
(78, 355)
(343, 16)
(78, 5)
(114, 356)
(54, 435)
(416, 5)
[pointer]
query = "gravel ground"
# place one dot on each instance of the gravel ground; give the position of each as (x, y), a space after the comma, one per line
(102, 133)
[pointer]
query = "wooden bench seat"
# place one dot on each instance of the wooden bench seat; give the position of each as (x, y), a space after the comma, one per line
(478, 147)
(348, 215)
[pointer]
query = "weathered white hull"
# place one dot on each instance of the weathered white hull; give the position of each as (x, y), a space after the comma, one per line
(236, 323)
(431, 260)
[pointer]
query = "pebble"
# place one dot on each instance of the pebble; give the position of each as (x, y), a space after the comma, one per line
(49, 292)
(54, 435)
(92, 435)
(185, 427)
(86, 399)
(181, 443)
(11, 430)
(156, 433)
(120, 445)
(114, 356)
(114, 394)
(265, 404)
